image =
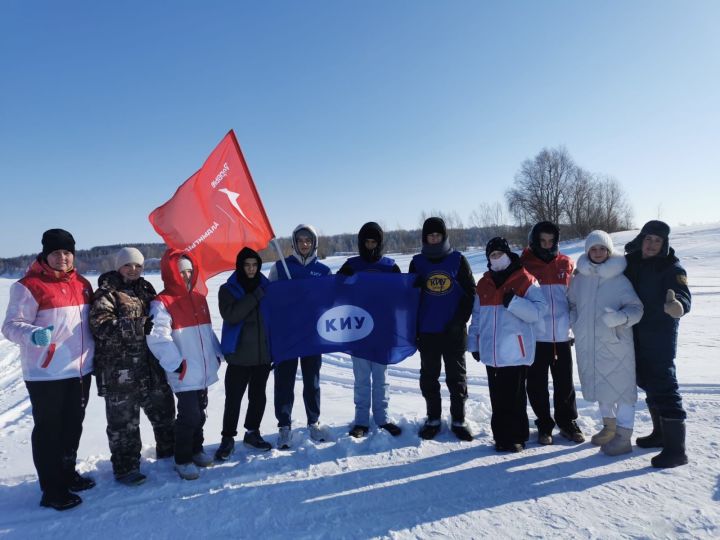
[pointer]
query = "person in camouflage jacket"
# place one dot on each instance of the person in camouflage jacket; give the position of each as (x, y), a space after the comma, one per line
(128, 376)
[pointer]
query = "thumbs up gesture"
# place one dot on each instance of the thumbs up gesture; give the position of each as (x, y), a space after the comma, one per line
(672, 306)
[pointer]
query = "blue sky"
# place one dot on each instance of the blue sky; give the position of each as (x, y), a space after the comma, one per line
(348, 111)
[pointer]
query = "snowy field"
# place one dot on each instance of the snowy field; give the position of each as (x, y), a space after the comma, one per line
(385, 487)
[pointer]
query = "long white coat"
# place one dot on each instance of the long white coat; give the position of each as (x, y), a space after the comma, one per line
(605, 356)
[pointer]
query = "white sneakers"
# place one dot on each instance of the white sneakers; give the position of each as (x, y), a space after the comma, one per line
(284, 437)
(317, 433)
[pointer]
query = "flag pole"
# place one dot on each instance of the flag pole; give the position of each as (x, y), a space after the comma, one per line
(282, 258)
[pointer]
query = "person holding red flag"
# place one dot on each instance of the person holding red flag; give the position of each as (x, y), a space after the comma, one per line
(183, 341)
(302, 264)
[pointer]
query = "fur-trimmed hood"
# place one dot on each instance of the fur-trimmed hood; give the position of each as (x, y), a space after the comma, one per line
(613, 266)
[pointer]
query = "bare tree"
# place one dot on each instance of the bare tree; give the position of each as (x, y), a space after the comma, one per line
(551, 187)
(541, 186)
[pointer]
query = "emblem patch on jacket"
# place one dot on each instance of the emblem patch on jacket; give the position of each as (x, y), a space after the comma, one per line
(438, 283)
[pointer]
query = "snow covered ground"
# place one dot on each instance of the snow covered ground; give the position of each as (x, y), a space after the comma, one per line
(402, 487)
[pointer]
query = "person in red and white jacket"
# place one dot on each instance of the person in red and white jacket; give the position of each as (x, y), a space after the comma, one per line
(48, 317)
(182, 339)
(507, 306)
(553, 270)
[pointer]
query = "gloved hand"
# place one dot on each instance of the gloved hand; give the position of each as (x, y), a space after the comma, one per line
(182, 369)
(258, 293)
(672, 306)
(148, 325)
(613, 318)
(476, 355)
(41, 337)
(507, 298)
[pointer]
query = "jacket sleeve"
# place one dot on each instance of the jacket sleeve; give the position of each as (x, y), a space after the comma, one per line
(396, 269)
(273, 274)
(234, 310)
(572, 301)
(160, 338)
(345, 270)
(467, 283)
(630, 304)
(473, 341)
(676, 279)
(20, 316)
(531, 307)
(411, 268)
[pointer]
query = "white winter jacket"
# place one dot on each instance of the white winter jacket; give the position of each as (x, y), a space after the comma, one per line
(605, 356)
(505, 336)
(42, 298)
(182, 331)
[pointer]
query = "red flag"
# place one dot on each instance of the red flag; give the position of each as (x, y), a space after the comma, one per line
(215, 213)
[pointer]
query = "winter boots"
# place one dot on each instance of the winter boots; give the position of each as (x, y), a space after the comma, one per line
(60, 501)
(392, 429)
(430, 429)
(673, 452)
(359, 431)
(461, 431)
(572, 432)
(606, 434)
(187, 471)
(132, 478)
(201, 459)
(225, 450)
(75, 482)
(253, 439)
(655, 439)
(619, 444)
(545, 438)
(509, 447)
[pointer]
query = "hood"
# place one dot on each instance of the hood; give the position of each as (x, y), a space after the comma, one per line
(613, 266)
(543, 254)
(372, 231)
(174, 284)
(313, 252)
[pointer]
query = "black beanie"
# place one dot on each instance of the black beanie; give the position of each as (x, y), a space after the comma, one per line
(433, 225)
(54, 239)
(497, 244)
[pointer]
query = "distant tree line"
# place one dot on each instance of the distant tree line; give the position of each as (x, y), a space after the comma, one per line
(549, 187)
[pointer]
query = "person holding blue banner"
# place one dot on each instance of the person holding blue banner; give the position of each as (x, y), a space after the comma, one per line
(448, 289)
(370, 385)
(301, 264)
(245, 347)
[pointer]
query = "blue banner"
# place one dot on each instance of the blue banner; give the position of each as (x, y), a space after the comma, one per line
(370, 315)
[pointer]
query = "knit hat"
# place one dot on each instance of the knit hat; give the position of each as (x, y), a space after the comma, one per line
(598, 238)
(54, 239)
(497, 244)
(128, 255)
(433, 225)
(184, 264)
